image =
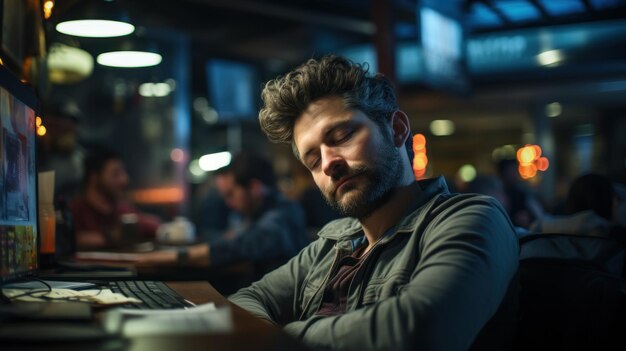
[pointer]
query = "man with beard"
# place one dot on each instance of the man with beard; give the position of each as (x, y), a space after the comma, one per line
(413, 266)
(100, 209)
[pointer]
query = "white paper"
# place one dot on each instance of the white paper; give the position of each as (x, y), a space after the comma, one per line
(200, 319)
(95, 296)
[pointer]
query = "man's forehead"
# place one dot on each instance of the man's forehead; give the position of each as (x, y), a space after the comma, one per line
(325, 111)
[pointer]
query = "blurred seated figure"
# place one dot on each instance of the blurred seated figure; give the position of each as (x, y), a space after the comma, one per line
(318, 212)
(266, 229)
(212, 216)
(524, 208)
(102, 217)
(591, 203)
(59, 150)
(492, 186)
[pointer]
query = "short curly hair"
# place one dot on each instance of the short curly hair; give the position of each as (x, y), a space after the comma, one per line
(286, 98)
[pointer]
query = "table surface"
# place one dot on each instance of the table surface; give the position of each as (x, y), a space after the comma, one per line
(249, 332)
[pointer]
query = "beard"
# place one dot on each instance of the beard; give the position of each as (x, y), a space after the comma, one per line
(372, 187)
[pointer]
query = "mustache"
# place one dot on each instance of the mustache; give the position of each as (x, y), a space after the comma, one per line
(345, 173)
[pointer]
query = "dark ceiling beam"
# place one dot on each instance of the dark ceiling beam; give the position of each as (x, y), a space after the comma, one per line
(296, 15)
(588, 5)
(542, 10)
(505, 20)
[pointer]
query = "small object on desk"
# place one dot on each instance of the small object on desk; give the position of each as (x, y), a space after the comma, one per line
(55, 284)
(182, 256)
(202, 319)
(99, 297)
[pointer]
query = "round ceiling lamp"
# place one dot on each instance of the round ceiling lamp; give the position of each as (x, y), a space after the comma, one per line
(95, 19)
(95, 28)
(129, 59)
(68, 65)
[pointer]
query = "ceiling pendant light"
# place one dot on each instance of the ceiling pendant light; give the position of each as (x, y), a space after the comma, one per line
(129, 59)
(95, 28)
(96, 19)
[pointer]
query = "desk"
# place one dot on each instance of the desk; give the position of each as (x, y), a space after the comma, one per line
(249, 332)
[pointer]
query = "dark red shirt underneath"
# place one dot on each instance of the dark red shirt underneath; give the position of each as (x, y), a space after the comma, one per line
(335, 299)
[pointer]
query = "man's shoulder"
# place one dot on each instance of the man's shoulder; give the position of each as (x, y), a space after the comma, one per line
(339, 228)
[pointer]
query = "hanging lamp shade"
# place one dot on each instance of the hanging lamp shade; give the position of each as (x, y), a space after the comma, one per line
(67, 64)
(131, 52)
(96, 19)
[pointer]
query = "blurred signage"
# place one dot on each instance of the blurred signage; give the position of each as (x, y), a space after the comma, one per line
(586, 46)
(232, 89)
(442, 39)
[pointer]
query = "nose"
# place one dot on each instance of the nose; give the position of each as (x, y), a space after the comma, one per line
(332, 162)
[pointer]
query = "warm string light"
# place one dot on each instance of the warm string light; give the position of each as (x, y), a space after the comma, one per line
(531, 161)
(47, 8)
(40, 128)
(420, 160)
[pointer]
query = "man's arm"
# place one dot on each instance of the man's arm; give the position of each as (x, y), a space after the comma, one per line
(90, 240)
(469, 257)
(273, 297)
(271, 236)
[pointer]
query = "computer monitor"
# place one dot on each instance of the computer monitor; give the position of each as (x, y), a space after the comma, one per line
(18, 184)
(232, 89)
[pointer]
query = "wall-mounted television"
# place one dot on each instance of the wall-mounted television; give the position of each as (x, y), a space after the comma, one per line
(233, 89)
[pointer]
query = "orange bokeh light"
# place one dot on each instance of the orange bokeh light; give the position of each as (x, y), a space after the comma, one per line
(419, 143)
(420, 161)
(419, 173)
(543, 164)
(526, 154)
(531, 161)
(537, 149)
(47, 8)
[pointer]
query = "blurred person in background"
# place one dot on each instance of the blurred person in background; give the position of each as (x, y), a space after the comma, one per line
(489, 185)
(267, 229)
(102, 215)
(492, 186)
(524, 207)
(412, 266)
(591, 207)
(212, 216)
(317, 210)
(59, 149)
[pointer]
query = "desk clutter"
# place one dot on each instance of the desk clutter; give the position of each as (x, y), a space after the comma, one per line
(65, 315)
(97, 297)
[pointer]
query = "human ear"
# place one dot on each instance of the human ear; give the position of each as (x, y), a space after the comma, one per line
(400, 127)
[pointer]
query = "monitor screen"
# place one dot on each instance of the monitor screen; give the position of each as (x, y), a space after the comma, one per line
(18, 187)
(232, 89)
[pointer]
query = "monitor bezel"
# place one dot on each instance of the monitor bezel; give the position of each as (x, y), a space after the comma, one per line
(28, 96)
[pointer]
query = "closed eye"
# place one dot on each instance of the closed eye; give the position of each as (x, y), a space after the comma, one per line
(343, 135)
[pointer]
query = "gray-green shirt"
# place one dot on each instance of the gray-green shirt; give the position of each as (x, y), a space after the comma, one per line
(432, 284)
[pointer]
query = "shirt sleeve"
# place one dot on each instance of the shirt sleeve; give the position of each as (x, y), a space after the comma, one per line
(273, 297)
(468, 258)
(273, 235)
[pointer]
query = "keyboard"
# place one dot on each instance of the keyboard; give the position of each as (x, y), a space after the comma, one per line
(154, 294)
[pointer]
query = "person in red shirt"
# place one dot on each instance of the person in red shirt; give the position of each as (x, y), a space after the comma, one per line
(102, 216)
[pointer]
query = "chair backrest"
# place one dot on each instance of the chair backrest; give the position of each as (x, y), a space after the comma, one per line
(572, 293)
